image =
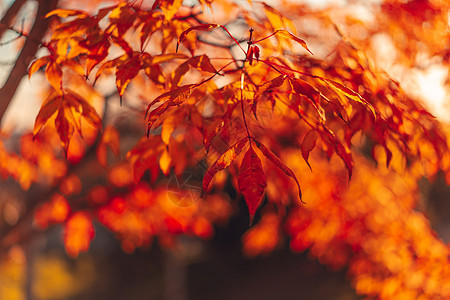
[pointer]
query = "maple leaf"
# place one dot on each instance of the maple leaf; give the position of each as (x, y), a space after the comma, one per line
(144, 156)
(211, 131)
(69, 107)
(172, 98)
(223, 162)
(340, 149)
(330, 99)
(308, 144)
(311, 94)
(252, 181)
(277, 162)
(125, 72)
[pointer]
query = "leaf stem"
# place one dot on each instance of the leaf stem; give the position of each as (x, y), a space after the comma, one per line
(242, 107)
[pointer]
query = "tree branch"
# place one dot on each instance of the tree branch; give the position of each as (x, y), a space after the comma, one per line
(26, 55)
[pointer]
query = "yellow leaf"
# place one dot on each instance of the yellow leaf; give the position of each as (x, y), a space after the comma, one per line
(164, 162)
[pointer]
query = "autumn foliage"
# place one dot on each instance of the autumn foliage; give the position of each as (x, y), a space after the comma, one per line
(154, 112)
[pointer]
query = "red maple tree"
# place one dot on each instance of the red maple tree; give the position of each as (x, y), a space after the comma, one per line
(324, 147)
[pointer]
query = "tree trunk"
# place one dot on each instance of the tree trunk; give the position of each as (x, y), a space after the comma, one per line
(28, 52)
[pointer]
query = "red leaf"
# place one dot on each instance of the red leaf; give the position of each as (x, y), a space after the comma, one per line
(304, 88)
(174, 97)
(252, 181)
(269, 86)
(156, 113)
(144, 155)
(203, 27)
(309, 142)
(142, 165)
(277, 162)
(256, 52)
(125, 72)
(311, 94)
(64, 127)
(340, 149)
(223, 162)
(211, 131)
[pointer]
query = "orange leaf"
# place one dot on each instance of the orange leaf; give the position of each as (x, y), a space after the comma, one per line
(164, 162)
(87, 111)
(276, 19)
(179, 72)
(203, 63)
(252, 181)
(170, 8)
(203, 27)
(37, 64)
(110, 64)
(64, 13)
(350, 94)
(48, 109)
(174, 97)
(277, 162)
(168, 127)
(78, 233)
(223, 162)
(53, 73)
(162, 58)
(125, 72)
(288, 35)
